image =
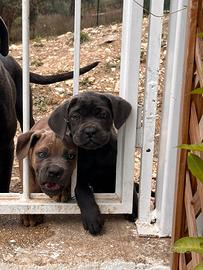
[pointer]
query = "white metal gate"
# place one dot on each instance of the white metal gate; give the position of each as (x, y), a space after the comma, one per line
(159, 220)
(121, 200)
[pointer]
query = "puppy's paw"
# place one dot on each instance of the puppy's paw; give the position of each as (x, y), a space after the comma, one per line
(65, 196)
(31, 220)
(92, 221)
(131, 217)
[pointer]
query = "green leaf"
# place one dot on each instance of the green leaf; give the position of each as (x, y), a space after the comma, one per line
(188, 244)
(199, 266)
(200, 35)
(192, 147)
(197, 91)
(195, 165)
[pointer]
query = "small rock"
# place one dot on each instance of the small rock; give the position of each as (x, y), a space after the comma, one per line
(59, 90)
(107, 50)
(14, 47)
(114, 27)
(91, 79)
(108, 39)
(12, 241)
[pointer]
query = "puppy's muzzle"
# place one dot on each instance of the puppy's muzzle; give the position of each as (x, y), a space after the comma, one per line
(90, 137)
(51, 180)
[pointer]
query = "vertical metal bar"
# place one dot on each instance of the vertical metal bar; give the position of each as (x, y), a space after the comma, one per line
(76, 75)
(26, 90)
(170, 118)
(151, 87)
(77, 46)
(129, 77)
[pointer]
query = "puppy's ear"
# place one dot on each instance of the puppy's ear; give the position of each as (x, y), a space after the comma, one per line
(121, 109)
(25, 141)
(58, 119)
(3, 38)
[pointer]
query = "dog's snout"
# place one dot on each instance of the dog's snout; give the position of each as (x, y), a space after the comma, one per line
(55, 172)
(90, 131)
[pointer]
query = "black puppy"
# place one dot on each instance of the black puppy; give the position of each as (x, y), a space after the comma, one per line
(90, 118)
(11, 103)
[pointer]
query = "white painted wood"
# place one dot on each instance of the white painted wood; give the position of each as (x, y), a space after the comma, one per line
(151, 87)
(76, 46)
(129, 76)
(170, 118)
(26, 90)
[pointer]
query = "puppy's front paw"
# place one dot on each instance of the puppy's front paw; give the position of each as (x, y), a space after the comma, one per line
(31, 220)
(65, 196)
(93, 221)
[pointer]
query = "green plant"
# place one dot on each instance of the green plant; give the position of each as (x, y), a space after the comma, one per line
(195, 165)
(187, 244)
(197, 91)
(38, 41)
(113, 64)
(194, 162)
(36, 63)
(84, 37)
(87, 81)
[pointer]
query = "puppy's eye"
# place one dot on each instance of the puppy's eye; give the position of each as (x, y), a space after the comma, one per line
(69, 156)
(42, 154)
(103, 115)
(75, 117)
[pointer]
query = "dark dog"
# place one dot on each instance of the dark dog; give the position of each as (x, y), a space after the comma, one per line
(51, 164)
(89, 118)
(3, 38)
(7, 115)
(11, 102)
(15, 71)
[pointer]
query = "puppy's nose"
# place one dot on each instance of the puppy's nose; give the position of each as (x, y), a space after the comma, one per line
(55, 172)
(90, 131)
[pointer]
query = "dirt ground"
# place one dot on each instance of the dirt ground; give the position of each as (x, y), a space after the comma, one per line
(60, 242)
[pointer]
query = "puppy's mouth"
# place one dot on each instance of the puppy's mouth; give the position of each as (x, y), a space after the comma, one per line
(91, 145)
(51, 188)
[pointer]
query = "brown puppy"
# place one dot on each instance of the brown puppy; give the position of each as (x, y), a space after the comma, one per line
(51, 164)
